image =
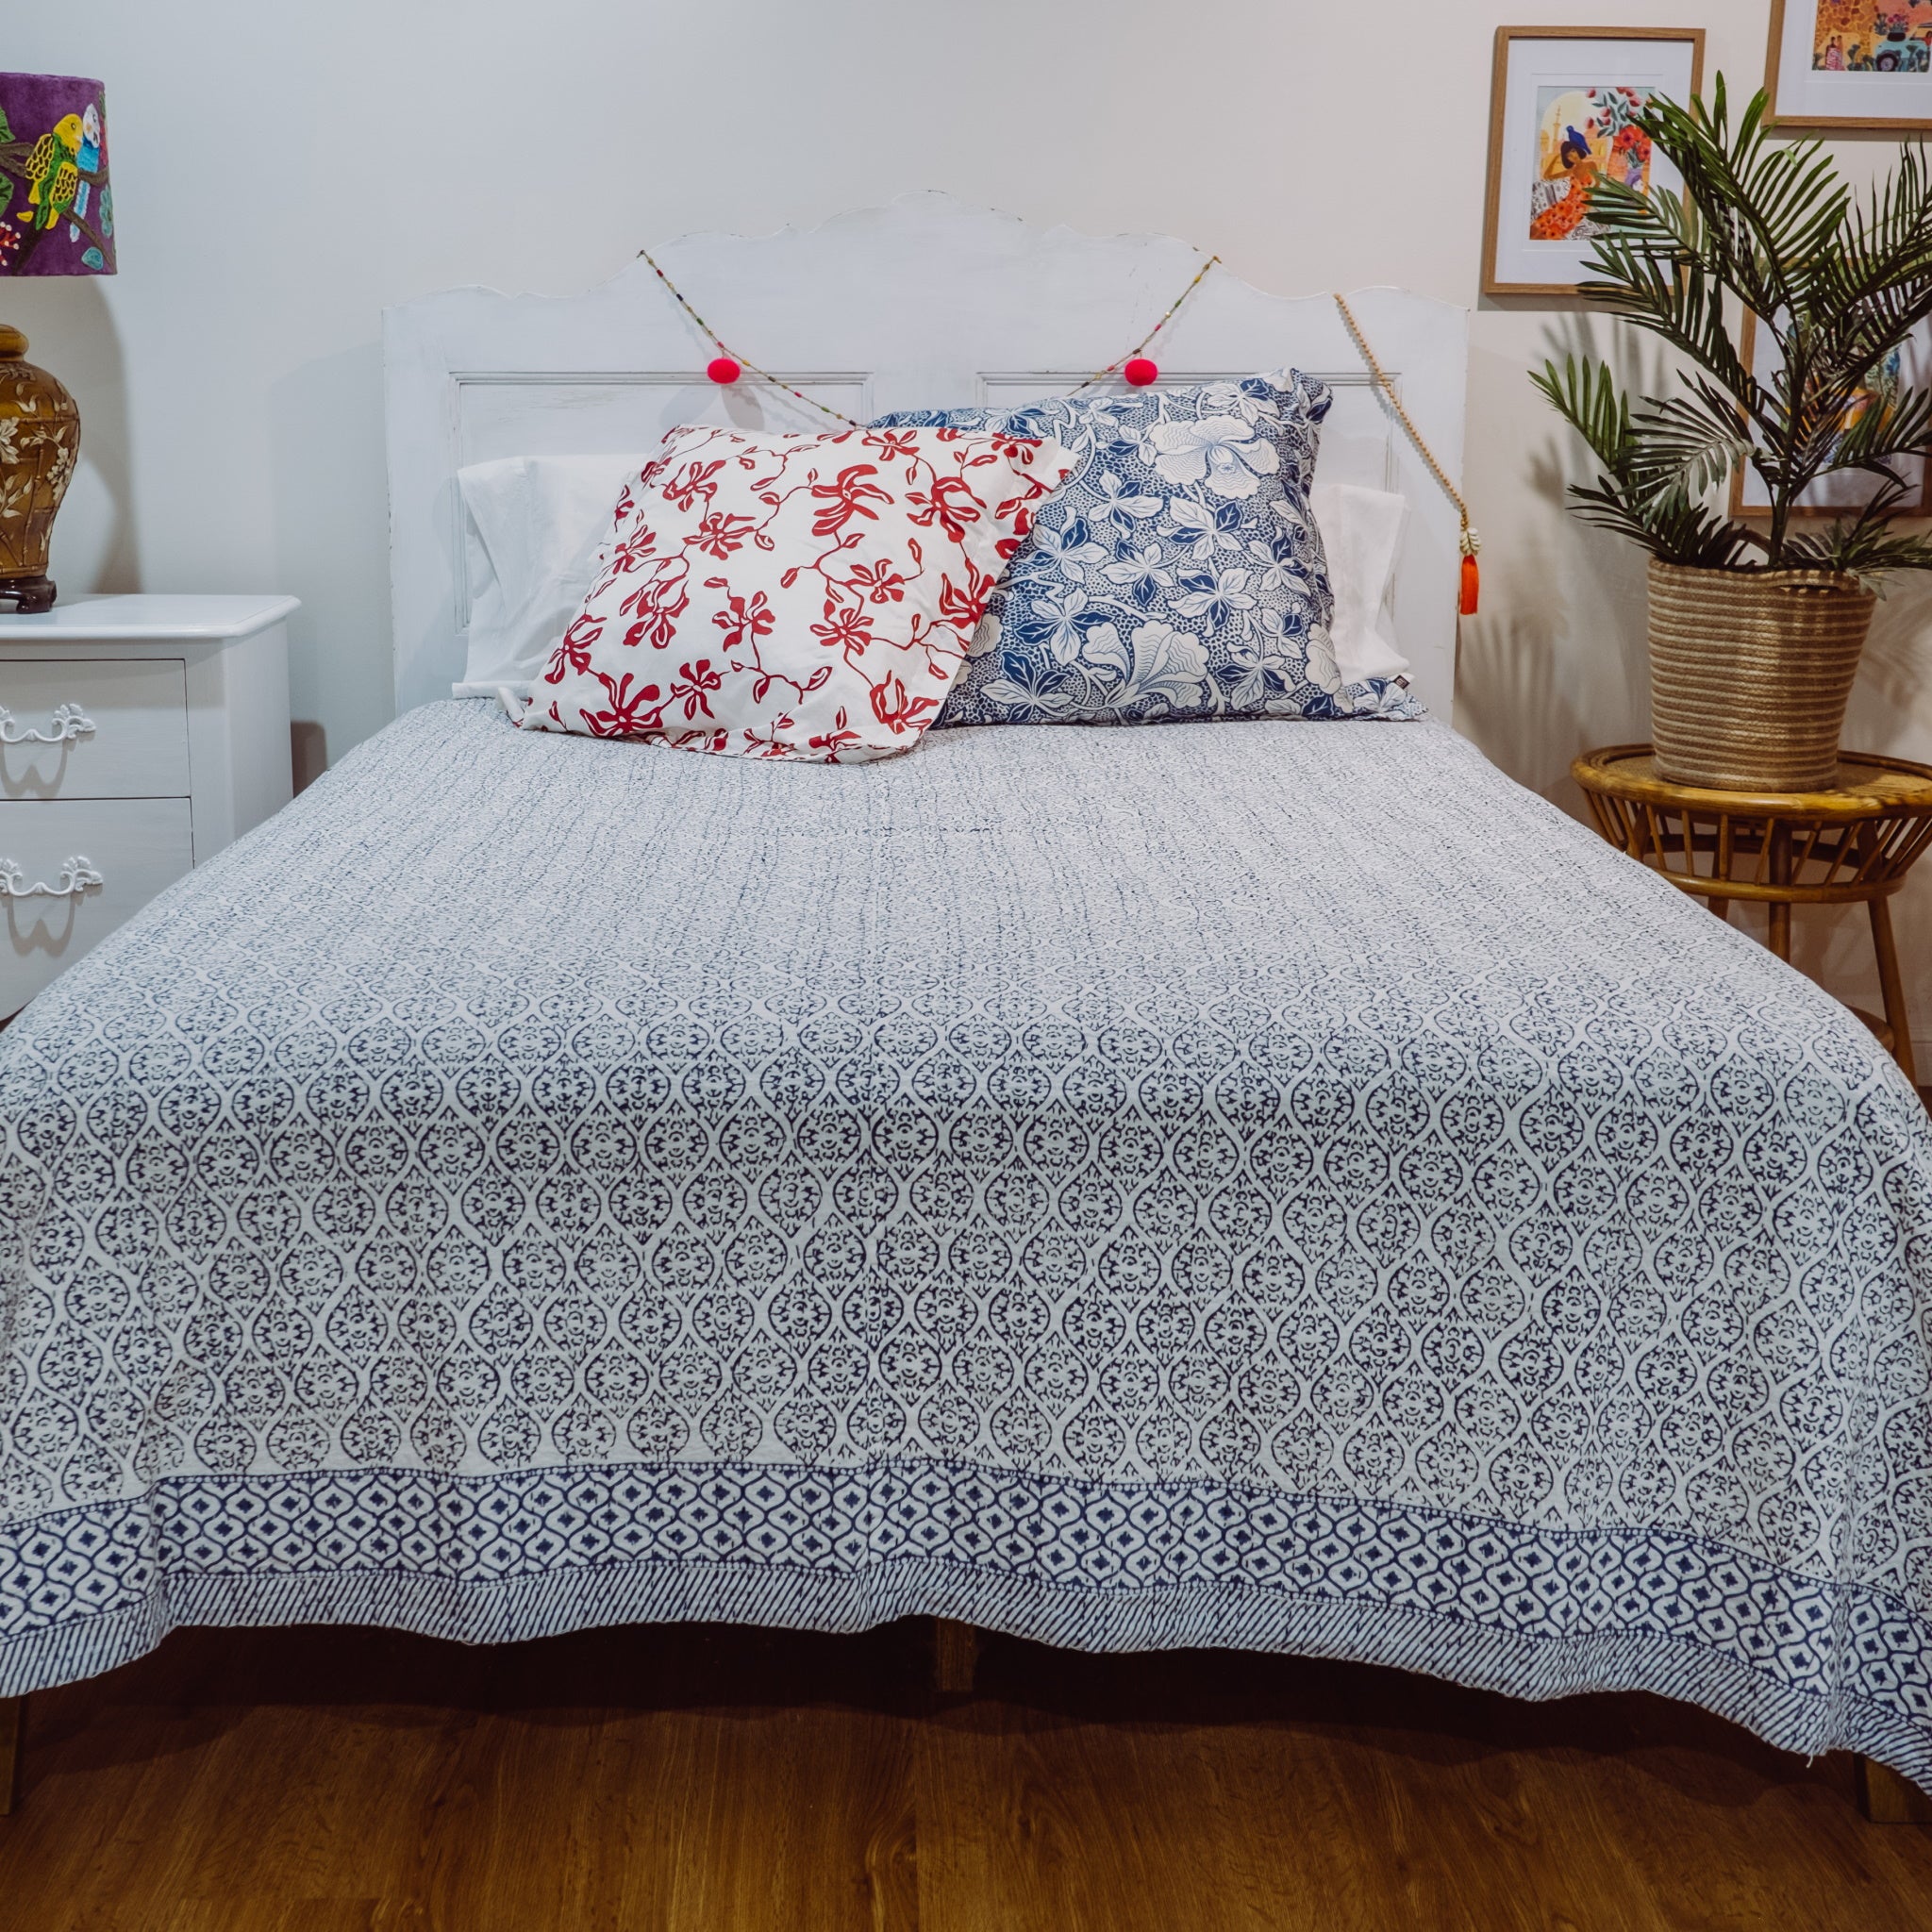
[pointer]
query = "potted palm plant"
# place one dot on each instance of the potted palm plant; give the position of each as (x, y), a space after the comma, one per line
(1756, 625)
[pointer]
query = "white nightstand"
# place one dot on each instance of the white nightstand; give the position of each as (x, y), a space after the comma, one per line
(140, 735)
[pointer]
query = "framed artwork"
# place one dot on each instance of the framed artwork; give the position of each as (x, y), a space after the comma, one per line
(1850, 63)
(1909, 364)
(1564, 105)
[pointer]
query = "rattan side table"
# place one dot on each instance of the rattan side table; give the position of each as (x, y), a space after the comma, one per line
(1855, 843)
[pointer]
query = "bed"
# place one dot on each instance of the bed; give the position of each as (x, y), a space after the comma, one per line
(1267, 1184)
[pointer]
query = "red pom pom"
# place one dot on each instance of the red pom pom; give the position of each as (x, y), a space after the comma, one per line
(723, 369)
(1140, 370)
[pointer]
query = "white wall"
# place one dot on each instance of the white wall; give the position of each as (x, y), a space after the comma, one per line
(281, 173)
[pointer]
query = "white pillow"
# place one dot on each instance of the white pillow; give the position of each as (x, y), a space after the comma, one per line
(1361, 534)
(530, 537)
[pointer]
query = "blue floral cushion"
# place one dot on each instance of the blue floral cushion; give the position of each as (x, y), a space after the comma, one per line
(1178, 573)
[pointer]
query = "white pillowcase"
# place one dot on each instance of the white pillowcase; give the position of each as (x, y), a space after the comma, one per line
(534, 525)
(531, 534)
(1361, 535)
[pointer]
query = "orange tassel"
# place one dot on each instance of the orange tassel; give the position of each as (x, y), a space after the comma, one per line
(1471, 587)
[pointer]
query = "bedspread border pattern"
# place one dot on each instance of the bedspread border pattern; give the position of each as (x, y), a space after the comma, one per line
(1102, 1566)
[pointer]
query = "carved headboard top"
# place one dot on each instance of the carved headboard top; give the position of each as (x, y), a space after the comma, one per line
(927, 302)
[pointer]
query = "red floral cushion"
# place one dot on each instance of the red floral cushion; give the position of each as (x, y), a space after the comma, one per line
(794, 596)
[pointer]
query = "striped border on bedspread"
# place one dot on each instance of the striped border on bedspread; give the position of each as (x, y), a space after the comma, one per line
(1535, 1612)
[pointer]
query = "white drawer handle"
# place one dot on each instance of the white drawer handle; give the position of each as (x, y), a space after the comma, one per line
(69, 720)
(76, 875)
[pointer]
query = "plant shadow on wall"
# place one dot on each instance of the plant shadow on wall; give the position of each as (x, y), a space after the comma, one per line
(1546, 672)
(1796, 311)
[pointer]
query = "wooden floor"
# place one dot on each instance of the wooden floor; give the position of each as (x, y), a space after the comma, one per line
(707, 1779)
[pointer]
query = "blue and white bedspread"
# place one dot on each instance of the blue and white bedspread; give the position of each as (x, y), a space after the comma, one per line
(1262, 1183)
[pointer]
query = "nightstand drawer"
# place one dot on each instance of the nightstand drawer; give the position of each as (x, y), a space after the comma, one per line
(137, 743)
(136, 846)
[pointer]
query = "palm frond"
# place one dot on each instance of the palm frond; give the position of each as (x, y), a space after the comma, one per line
(1838, 282)
(1893, 424)
(1587, 397)
(1684, 533)
(1683, 449)
(1868, 552)
(1625, 497)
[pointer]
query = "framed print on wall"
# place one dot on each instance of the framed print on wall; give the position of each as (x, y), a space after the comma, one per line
(1564, 105)
(1843, 492)
(1850, 63)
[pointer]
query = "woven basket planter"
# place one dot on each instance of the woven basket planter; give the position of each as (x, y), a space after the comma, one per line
(1749, 674)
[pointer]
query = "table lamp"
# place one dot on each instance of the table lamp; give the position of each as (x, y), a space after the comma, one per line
(56, 218)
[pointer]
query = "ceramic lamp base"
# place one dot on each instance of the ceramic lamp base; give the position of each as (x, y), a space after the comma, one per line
(40, 438)
(27, 594)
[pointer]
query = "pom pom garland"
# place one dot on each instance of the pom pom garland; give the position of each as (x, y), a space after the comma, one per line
(1138, 370)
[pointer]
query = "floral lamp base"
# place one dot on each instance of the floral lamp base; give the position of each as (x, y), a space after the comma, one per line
(39, 438)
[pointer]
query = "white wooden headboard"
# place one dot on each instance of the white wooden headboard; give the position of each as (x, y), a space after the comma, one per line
(924, 303)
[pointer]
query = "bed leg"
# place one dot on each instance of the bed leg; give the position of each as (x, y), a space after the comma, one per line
(12, 1726)
(1886, 1798)
(955, 1656)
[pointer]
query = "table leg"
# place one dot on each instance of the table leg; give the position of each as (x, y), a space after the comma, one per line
(1892, 987)
(1780, 934)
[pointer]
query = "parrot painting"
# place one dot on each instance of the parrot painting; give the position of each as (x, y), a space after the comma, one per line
(53, 173)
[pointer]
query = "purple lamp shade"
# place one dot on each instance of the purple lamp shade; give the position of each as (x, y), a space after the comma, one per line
(56, 211)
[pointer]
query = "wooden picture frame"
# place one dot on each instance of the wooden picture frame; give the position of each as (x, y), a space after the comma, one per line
(1599, 60)
(1920, 348)
(1803, 95)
